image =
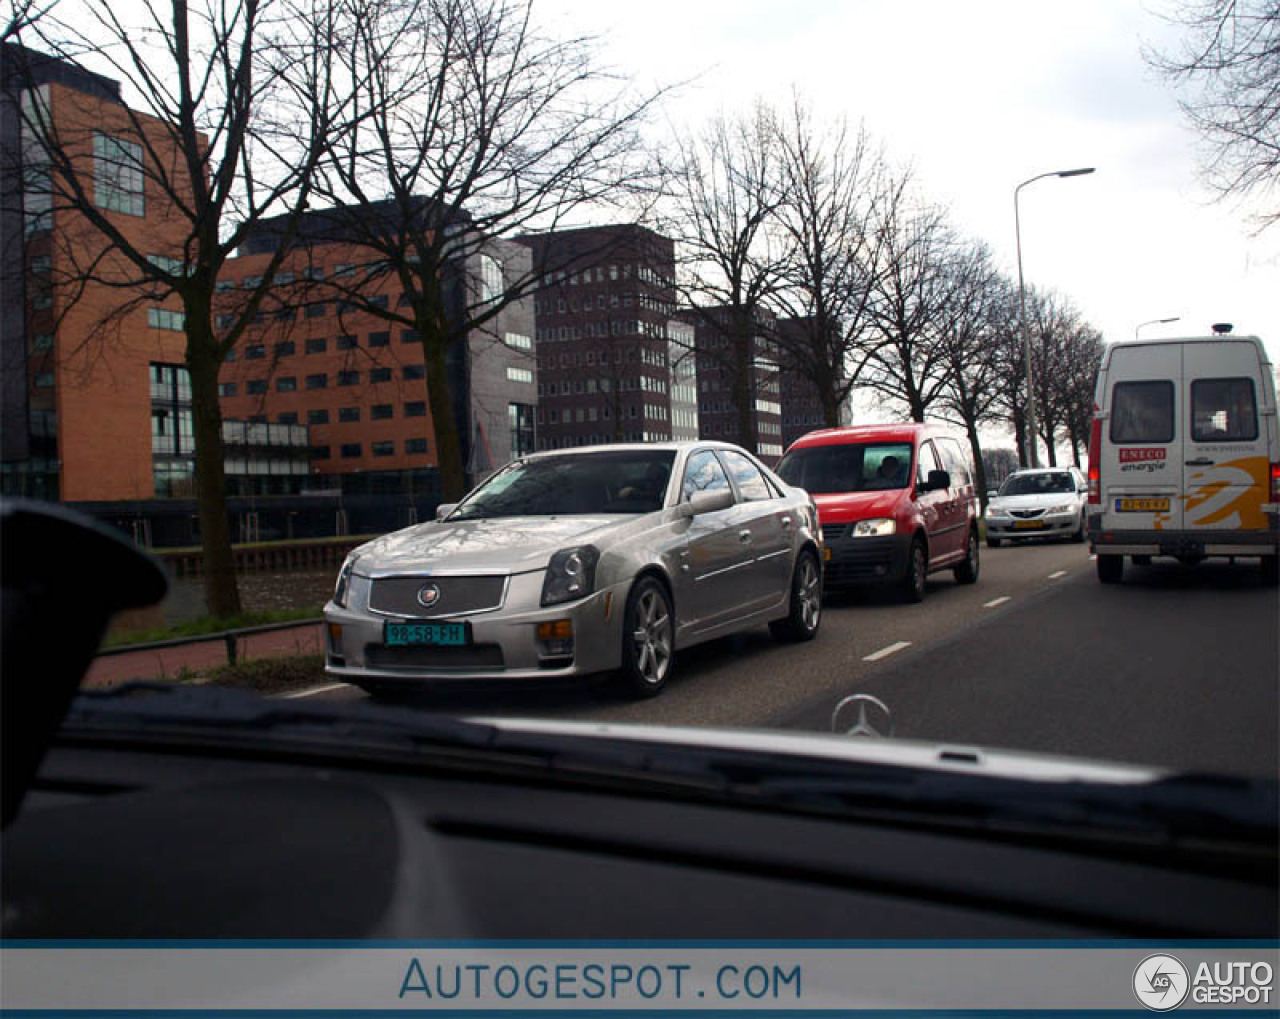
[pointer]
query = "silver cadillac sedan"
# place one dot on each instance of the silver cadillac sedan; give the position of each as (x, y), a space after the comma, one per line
(581, 561)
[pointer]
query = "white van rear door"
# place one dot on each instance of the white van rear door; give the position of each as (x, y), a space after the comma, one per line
(1226, 466)
(1142, 448)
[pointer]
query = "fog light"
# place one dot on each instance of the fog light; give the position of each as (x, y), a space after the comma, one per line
(560, 629)
(826, 554)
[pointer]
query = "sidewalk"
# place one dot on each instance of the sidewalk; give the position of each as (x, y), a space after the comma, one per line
(158, 663)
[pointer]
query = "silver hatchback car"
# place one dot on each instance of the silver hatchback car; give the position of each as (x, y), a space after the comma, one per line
(581, 561)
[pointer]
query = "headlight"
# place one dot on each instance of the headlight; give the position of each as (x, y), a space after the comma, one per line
(1066, 507)
(571, 574)
(874, 528)
(997, 511)
(344, 582)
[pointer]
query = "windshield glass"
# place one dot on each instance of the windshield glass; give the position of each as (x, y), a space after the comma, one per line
(1038, 484)
(586, 483)
(848, 467)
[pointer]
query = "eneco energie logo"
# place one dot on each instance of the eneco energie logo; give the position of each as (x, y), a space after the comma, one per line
(1161, 982)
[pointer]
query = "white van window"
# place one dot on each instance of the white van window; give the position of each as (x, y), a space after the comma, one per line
(1142, 412)
(1223, 410)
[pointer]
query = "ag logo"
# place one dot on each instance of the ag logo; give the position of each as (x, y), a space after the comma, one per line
(428, 595)
(1161, 982)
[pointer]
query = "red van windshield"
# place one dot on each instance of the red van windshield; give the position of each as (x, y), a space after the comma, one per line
(848, 467)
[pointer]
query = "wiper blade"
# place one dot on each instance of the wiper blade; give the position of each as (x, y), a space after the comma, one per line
(150, 705)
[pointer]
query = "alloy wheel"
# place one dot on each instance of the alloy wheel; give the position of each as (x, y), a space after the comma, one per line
(651, 636)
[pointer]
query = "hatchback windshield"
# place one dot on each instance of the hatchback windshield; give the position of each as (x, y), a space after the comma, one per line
(1037, 484)
(848, 467)
(633, 482)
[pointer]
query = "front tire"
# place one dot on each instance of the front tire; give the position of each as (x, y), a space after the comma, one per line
(1110, 568)
(913, 587)
(805, 615)
(967, 571)
(648, 638)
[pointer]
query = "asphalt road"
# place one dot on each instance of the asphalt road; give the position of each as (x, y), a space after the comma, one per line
(1177, 667)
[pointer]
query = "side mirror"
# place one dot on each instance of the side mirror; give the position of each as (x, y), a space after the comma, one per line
(706, 502)
(938, 480)
(444, 509)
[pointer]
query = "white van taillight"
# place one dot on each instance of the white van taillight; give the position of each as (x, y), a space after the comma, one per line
(1095, 461)
(1275, 482)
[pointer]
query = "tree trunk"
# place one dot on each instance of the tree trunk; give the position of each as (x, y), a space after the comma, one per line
(453, 479)
(221, 592)
(743, 378)
(1050, 430)
(979, 468)
(1020, 434)
(830, 405)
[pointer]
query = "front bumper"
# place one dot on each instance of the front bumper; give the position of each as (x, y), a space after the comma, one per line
(873, 560)
(1049, 525)
(503, 645)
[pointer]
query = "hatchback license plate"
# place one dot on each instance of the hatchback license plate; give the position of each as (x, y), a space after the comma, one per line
(425, 634)
(1142, 505)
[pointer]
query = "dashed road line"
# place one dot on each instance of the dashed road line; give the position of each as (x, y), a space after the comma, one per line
(995, 601)
(313, 691)
(885, 652)
(1055, 576)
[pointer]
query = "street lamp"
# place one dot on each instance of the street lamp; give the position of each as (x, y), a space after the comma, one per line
(1022, 306)
(1154, 322)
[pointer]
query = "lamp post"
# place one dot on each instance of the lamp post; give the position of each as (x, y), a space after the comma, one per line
(1153, 322)
(1022, 306)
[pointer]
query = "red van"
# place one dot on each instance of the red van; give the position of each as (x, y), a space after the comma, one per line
(896, 503)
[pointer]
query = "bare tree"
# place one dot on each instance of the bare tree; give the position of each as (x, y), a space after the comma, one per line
(726, 196)
(835, 183)
(473, 125)
(974, 346)
(1229, 69)
(213, 132)
(903, 352)
(1077, 382)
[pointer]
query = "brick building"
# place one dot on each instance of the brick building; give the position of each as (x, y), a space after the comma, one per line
(613, 358)
(717, 367)
(801, 406)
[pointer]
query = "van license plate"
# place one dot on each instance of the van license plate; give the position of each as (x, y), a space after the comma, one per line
(424, 634)
(1142, 505)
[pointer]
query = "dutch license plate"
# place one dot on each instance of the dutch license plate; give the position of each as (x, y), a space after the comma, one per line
(1142, 505)
(1027, 525)
(424, 634)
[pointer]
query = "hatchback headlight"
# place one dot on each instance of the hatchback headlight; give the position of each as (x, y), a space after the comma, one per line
(874, 528)
(571, 574)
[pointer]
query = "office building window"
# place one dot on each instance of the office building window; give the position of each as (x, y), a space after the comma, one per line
(348, 342)
(287, 384)
(316, 309)
(381, 412)
(491, 285)
(291, 418)
(415, 371)
(415, 409)
(387, 448)
(379, 374)
(285, 348)
(255, 352)
(349, 378)
(319, 381)
(348, 414)
(317, 417)
(316, 346)
(350, 450)
(519, 374)
(415, 445)
(319, 452)
(410, 336)
(117, 175)
(163, 318)
(520, 419)
(256, 387)
(379, 339)
(226, 389)
(519, 341)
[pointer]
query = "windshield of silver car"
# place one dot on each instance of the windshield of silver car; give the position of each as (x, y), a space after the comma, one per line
(575, 485)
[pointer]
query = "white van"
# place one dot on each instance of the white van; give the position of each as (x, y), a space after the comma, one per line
(1184, 454)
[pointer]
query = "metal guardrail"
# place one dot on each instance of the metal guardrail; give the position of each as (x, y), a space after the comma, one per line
(229, 637)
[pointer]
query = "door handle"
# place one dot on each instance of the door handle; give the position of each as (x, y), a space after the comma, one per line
(1202, 461)
(744, 536)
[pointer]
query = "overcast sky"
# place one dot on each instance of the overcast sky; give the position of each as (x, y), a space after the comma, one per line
(981, 96)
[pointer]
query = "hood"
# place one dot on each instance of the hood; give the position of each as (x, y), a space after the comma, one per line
(497, 545)
(844, 507)
(1040, 501)
(899, 752)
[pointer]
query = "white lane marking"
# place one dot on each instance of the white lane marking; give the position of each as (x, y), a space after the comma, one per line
(995, 601)
(1055, 576)
(313, 691)
(885, 652)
